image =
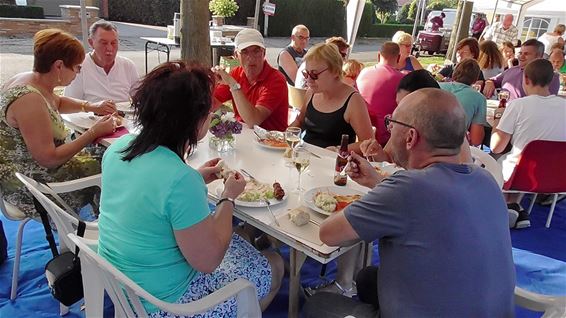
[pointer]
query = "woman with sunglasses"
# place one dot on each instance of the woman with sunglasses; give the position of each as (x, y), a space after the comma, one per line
(333, 108)
(33, 137)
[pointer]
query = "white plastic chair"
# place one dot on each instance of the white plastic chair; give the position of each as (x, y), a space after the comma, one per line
(13, 213)
(296, 101)
(486, 161)
(126, 294)
(65, 221)
(552, 306)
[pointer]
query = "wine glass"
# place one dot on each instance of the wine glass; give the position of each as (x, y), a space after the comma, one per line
(503, 94)
(292, 138)
(301, 161)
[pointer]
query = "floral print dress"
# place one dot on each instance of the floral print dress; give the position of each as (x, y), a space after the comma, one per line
(15, 157)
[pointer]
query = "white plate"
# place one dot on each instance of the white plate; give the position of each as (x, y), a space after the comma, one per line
(254, 204)
(125, 107)
(268, 146)
(387, 167)
(308, 197)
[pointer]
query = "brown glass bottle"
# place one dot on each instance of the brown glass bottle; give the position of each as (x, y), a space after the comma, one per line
(341, 161)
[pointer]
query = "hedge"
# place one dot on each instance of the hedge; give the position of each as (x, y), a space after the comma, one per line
(27, 12)
(386, 30)
(324, 18)
(151, 12)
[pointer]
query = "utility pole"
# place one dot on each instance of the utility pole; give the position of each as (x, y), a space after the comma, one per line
(195, 31)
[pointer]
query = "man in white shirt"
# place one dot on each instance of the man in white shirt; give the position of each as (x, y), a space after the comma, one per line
(538, 116)
(104, 76)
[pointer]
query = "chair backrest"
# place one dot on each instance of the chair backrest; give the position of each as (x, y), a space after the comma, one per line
(540, 168)
(65, 222)
(486, 161)
(125, 293)
(10, 211)
(296, 96)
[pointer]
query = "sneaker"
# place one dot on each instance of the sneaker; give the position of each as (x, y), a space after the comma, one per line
(513, 215)
(523, 220)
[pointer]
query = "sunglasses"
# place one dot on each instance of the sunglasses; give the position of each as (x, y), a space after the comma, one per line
(312, 74)
(388, 122)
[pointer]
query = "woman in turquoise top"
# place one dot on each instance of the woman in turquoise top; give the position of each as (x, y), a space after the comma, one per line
(33, 137)
(154, 222)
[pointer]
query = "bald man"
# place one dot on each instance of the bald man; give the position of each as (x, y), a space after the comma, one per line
(444, 242)
(557, 59)
(291, 57)
(378, 86)
(503, 31)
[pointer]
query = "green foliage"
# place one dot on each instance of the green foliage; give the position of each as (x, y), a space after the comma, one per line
(385, 30)
(442, 4)
(322, 17)
(403, 15)
(27, 12)
(413, 10)
(155, 12)
(384, 8)
(223, 8)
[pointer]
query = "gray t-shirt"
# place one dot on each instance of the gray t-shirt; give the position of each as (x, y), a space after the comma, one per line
(444, 243)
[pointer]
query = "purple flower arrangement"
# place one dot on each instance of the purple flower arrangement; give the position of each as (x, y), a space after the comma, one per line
(223, 124)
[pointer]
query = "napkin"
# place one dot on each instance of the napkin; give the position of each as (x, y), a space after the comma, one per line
(120, 131)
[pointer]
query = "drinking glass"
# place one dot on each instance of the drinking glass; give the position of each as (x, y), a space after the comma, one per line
(503, 94)
(292, 138)
(301, 161)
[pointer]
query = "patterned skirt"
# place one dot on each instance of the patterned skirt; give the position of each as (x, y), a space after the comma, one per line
(242, 260)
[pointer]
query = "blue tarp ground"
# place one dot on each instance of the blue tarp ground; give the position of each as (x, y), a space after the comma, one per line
(539, 254)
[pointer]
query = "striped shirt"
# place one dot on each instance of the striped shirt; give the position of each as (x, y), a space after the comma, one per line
(497, 34)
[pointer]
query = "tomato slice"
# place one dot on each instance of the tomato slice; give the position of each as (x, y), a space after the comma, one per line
(341, 205)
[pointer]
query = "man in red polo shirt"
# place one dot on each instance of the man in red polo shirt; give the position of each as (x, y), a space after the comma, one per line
(257, 90)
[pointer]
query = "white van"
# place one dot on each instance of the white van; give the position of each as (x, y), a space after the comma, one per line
(449, 19)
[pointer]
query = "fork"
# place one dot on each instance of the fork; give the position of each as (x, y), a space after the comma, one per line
(269, 209)
(247, 174)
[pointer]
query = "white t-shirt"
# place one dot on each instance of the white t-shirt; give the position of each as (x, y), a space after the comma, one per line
(532, 118)
(300, 80)
(94, 85)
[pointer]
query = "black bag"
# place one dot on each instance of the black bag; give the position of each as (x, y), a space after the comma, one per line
(63, 274)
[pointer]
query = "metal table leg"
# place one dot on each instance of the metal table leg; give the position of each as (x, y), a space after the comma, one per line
(297, 260)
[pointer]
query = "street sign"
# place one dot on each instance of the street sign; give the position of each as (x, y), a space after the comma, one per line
(269, 8)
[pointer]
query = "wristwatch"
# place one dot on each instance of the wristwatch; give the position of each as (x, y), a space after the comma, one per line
(235, 87)
(226, 199)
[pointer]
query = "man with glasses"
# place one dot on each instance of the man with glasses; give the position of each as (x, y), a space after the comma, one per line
(512, 78)
(257, 90)
(105, 77)
(291, 57)
(378, 86)
(442, 226)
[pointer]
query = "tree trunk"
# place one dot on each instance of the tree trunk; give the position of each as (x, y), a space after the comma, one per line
(195, 35)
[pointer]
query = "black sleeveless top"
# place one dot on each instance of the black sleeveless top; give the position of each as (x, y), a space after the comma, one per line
(298, 57)
(326, 129)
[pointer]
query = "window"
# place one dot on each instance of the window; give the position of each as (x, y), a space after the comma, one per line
(534, 27)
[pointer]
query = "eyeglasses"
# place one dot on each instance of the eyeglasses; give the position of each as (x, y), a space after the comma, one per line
(302, 38)
(388, 122)
(312, 74)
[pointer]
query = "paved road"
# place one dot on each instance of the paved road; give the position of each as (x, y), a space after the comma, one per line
(16, 53)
